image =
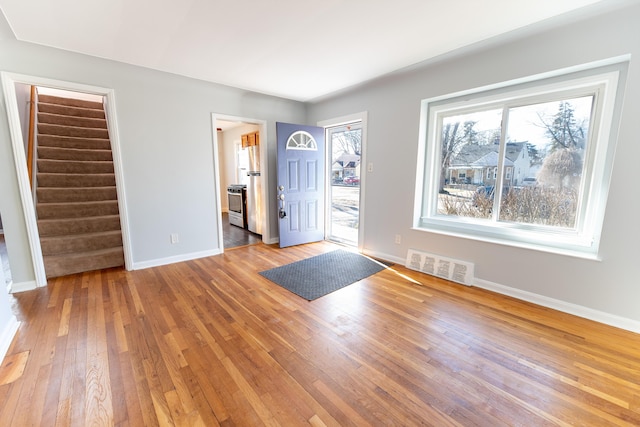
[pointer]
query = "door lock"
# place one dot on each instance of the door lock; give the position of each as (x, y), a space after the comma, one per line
(281, 212)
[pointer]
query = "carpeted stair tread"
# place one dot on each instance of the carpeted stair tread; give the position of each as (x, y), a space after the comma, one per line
(56, 153)
(69, 226)
(73, 142)
(59, 245)
(76, 263)
(77, 210)
(77, 206)
(83, 167)
(76, 180)
(72, 102)
(66, 110)
(75, 194)
(83, 122)
(84, 132)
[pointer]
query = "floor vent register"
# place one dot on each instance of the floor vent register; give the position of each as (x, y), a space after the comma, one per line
(439, 266)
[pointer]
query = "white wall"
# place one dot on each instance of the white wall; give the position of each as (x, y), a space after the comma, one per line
(23, 96)
(608, 289)
(166, 139)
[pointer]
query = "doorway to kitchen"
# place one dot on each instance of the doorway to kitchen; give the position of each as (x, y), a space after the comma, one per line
(240, 147)
(344, 150)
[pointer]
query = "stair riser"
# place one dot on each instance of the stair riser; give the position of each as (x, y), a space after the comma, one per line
(77, 244)
(75, 180)
(48, 129)
(71, 195)
(62, 266)
(49, 99)
(83, 122)
(77, 207)
(61, 211)
(49, 228)
(60, 166)
(64, 110)
(70, 142)
(54, 153)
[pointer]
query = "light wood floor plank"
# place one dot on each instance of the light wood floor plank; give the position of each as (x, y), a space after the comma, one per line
(210, 342)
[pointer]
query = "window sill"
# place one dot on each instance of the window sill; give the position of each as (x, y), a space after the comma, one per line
(512, 243)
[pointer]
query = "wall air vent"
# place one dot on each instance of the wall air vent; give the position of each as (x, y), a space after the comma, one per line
(439, 266)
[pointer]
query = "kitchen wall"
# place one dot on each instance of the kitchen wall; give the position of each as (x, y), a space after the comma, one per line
(609, 289)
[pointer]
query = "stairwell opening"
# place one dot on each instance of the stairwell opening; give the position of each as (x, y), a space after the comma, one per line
(75, 187)
(76, 220)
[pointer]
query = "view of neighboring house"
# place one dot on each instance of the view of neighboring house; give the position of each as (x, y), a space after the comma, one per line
(478, 164)
(345, 165)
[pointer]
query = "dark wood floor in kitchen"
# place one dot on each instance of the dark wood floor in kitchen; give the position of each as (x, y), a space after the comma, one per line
(234, 237)
(211, 342)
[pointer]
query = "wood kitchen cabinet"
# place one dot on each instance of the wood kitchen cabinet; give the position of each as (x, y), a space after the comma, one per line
(250, 139)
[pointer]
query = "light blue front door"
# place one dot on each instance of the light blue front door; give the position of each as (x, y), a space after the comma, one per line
(301, 183)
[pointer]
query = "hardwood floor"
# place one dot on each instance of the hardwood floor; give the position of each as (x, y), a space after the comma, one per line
(210, 342)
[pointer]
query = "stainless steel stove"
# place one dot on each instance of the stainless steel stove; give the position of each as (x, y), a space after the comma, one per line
(237, 194)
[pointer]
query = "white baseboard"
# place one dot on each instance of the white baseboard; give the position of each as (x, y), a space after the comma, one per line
(384, 257)
(6, 336)
(23, 286)
(566, 307)
(563, 306)
(174, 259)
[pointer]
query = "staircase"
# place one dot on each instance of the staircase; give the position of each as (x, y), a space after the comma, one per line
(77, 204)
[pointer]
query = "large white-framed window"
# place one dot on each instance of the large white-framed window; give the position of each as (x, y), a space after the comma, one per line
(557, 130)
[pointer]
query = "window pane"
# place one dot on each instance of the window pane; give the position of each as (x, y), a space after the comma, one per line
(547, 146)
(469, 158)
(345, 143)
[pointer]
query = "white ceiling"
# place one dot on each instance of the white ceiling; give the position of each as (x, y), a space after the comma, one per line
(297, 49)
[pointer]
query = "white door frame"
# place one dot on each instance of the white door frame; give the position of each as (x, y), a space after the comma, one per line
(8, 83)
(264, 172)
(339, 121)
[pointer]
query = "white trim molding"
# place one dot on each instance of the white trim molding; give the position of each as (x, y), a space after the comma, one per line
(9, 87)
(23, 286)
(361, 117)
(563, 306)
(267, 238)
(174, 259)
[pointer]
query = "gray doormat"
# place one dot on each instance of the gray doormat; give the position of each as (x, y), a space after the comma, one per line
(322, 274)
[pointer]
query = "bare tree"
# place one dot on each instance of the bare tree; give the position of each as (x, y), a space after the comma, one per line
(563, 130)
(349, 141)
(454, 136)
(562, 167)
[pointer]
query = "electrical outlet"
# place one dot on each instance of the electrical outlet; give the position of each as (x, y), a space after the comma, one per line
(398, 239)
(174, 238)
